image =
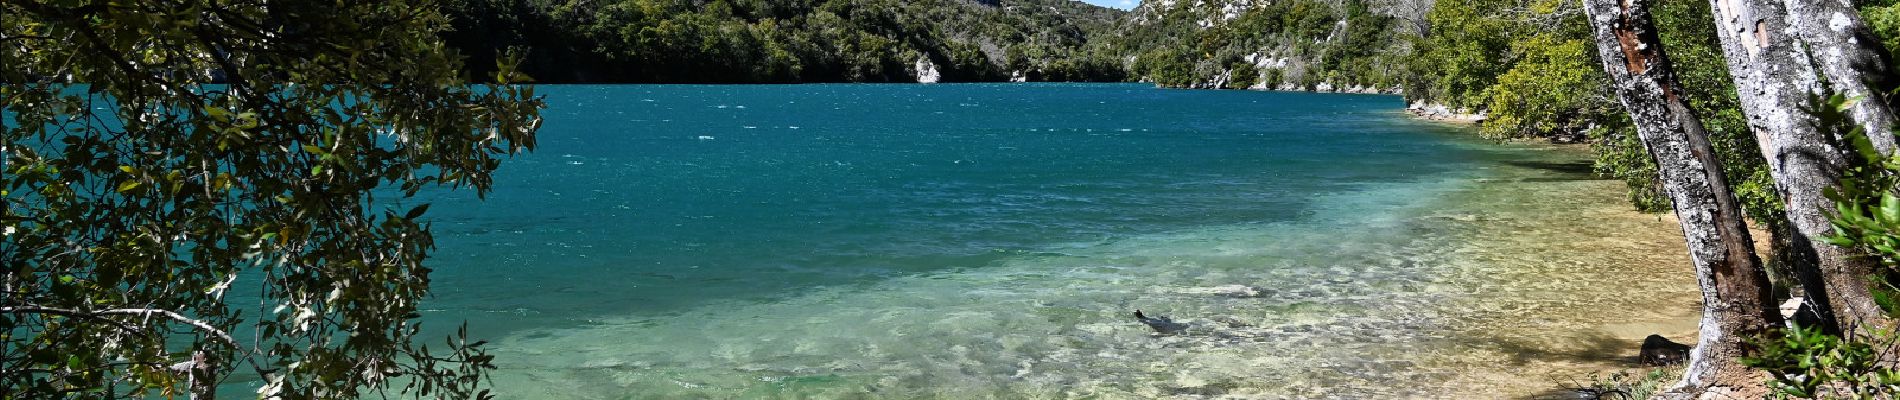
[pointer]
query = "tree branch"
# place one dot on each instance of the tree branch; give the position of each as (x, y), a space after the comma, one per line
(24, 37)
(142, 312)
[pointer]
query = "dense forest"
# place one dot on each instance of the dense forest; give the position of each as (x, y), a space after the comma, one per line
(1291, 45)
(783, 41)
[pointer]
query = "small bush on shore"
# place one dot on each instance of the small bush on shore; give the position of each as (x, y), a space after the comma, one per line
(1627, 384)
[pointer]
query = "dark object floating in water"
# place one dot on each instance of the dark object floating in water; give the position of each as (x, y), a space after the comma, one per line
(1161, 323)
(1658, 351)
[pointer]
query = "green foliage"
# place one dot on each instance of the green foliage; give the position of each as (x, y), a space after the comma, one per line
(1531, 65)
(1807, 364)
(1466, 52)
(1166, 67)
(1556, 90)
(1244, 76)
(1883, 17)
(1867, 204)
(202, 188)
(1620, 154)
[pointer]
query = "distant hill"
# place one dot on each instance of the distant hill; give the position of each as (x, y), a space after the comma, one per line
(1328, 45)
(766, 41)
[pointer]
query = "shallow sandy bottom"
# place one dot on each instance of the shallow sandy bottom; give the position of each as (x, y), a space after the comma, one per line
(1575, 280)
(1509, 287)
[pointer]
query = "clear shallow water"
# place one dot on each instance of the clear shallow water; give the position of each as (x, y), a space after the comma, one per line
(988, 241)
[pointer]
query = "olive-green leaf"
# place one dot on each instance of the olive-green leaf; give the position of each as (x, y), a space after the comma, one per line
(416, 212)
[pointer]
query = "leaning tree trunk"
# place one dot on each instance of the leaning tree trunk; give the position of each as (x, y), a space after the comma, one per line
(1778, 86)
(1851, 58)
(1736, 296)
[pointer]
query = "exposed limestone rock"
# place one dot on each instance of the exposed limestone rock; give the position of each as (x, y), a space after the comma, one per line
(927, 71)
(1438, 112)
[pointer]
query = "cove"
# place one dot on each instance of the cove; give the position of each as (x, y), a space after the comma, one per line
(989, 241)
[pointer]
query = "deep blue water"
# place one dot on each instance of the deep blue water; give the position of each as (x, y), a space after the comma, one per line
(953, 241)
(665, 197)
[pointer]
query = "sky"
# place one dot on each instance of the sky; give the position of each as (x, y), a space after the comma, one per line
(1122, 4)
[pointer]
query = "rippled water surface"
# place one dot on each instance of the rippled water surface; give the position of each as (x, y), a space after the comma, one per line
(990, 241)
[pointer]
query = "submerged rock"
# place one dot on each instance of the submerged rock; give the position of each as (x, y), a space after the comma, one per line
(1222, 330)
(1161, 323)
(1659, 351)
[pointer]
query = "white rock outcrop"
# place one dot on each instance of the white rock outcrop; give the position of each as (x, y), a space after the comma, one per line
(927, 71)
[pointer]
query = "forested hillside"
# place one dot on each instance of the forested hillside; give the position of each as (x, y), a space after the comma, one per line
(1326, 45)
(1289, 45)
(765, 41)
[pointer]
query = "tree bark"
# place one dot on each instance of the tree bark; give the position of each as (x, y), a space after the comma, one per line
(1851, 58)
(202, 377)
(1779, 87)
(1736, 295)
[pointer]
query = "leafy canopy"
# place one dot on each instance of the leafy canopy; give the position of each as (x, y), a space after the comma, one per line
(194, 188)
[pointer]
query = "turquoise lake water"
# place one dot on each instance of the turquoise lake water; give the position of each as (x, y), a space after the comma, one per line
(964, 241)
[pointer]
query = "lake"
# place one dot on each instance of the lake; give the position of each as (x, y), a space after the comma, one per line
(991, 241)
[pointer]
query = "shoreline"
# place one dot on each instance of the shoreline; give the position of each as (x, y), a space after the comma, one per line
(1575, 280)
(1440, 113)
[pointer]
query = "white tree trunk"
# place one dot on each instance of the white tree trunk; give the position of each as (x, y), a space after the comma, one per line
(1851, 58)
(1779, 85)
(1736, 297)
